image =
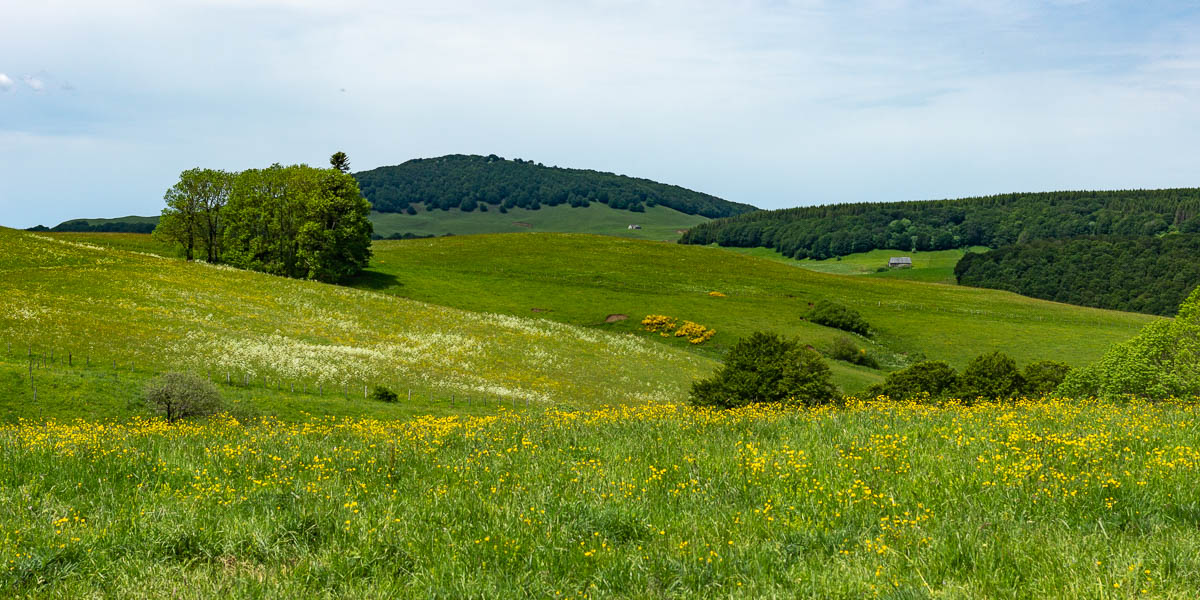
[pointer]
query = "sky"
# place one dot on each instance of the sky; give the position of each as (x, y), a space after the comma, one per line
(772, 103)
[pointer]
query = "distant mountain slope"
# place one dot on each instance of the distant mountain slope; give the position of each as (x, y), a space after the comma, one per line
(837, 230)
(130, 224)
(472, 183)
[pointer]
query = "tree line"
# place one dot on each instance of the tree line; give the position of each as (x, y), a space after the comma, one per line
(471, 183)
(105, 226)
(295, 221)
(821, 232)
(1143, 274)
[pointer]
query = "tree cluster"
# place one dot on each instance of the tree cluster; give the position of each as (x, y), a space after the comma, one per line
(295, 221)
(835, 230)
(1145, 274)
(470, 183)
(990, 376)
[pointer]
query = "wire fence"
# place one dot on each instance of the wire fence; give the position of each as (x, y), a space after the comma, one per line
(40, 361)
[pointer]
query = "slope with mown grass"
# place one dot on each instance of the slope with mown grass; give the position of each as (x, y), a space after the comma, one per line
(139, 314)
(656, 223)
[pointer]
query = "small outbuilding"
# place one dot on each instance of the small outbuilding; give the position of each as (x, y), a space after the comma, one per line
(900, 262)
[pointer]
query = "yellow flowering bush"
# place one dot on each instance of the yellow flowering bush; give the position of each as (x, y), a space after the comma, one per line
(669, 326)
(695, 332)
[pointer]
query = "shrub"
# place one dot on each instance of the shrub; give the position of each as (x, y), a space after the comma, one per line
(767, 368)
(1044, 376)
(832, 314)
(1160, 362)
(182, 395)
(933, 378)
(667, 326)
(383, 394)
(992, 375)
(844, 349)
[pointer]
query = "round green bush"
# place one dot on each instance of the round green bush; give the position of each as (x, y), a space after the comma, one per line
(767, 368)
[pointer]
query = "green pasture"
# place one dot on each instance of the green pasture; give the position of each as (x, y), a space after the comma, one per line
(658, 222)
(64, 295)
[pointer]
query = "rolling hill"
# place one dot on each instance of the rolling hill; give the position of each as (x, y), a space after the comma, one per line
(86, 321)
(583, 280)
(837, 230)
(471, 183)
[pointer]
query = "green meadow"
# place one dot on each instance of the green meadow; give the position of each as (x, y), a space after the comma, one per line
(97, 306)
(935, 266)
(584, 279)
(1055, 499)
(657, 222)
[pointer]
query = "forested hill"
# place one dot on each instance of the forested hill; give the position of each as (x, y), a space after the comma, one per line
(994, 221)
(129, 224)
(474, 183)
(1143, 274)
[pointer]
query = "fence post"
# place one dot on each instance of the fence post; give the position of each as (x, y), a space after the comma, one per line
(364, 390)
(410, 395)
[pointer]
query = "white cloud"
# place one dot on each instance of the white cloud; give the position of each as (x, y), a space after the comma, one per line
(34, 83)
(6, 82)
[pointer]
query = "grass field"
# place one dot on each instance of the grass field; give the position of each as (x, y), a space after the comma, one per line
(658, 222)
(930, 267)
(140, 314)
(1060, 499)
(581, 279)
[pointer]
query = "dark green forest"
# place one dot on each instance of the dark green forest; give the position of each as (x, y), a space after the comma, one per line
(472, 183)
(835, 230)
(1140, 274)
(102, 226)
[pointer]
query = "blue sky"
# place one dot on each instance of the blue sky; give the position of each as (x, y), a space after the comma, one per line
(773, 103)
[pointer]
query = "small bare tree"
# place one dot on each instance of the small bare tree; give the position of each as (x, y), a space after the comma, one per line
(181, 395)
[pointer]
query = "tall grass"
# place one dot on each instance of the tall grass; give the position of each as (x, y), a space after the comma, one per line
(1058, 499)
(156, 314)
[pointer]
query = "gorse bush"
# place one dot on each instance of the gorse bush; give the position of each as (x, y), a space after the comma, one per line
(832, 314)
(669, 326)
(181, 395)
(767, 368)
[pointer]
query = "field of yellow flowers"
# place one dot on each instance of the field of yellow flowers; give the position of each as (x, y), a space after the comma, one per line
(1035, 499)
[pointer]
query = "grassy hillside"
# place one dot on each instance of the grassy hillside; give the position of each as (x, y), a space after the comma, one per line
(1061, 499)
(658, 222)
(581, 279)
(934, 266)
(120, 311)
